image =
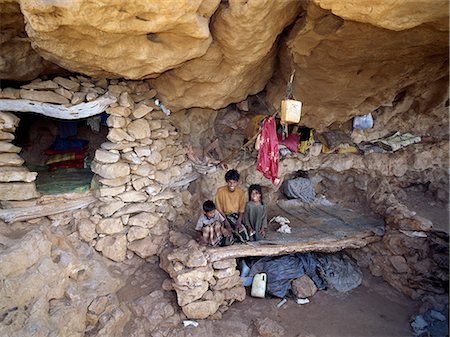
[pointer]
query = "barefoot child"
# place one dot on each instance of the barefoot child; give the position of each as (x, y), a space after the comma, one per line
(255, 214)
(230, 201)
(210, 225)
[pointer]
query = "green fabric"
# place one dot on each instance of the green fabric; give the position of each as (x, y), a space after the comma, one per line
(63, 180)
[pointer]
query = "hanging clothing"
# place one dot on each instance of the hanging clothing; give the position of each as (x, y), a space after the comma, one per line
(268, 156)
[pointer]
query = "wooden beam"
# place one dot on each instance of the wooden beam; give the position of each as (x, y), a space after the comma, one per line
(26, 213)
(82, 110)
(329, 245)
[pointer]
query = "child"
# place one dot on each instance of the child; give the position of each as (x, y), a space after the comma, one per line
(255, 215)
(230, 201)
(210, 224)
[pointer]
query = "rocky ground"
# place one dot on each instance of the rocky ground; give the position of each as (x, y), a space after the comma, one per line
(372, 309)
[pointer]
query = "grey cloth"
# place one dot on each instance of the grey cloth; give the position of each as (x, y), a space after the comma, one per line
(299, 188)
(255, 216)
(203, 220)
(340, 272)
(281, 270)
(336, 271)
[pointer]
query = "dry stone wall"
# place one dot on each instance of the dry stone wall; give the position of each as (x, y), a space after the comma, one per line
(204, 289)
(140, 170)
(412, 256)
(16, 181)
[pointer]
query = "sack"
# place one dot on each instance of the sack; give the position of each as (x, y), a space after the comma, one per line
(363, 122)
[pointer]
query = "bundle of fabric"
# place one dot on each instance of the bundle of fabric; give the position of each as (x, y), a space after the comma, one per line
(337, 142)
(67, 153)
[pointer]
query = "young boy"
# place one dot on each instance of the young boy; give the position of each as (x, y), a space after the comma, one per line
(210, 225)
(230, 202)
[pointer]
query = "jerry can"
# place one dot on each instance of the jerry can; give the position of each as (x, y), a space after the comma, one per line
(259, 285)
(291, 111)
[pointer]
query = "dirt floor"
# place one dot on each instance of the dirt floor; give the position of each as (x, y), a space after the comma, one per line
(372, 309)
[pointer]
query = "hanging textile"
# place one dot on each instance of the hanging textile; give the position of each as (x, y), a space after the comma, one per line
(268, 152)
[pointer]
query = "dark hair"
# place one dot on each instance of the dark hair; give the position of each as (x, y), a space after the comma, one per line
(232, 175)
(257, 188)
(208, 206)
(301, 174)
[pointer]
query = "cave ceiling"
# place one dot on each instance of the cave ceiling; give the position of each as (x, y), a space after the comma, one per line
(350, 57)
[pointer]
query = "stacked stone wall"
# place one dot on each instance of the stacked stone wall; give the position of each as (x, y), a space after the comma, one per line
(412, 256)
(204, 288)
(140, 171)
(16, 181)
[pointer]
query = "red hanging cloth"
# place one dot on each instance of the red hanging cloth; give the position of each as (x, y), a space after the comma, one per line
(268, 157)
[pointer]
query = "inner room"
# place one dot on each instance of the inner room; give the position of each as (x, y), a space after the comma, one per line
(60, 151)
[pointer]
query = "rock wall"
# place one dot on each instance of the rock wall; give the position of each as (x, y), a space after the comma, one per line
(413, 256)
(140, 171)
(349, 58)
(51, 283)
(346, 68)
(204, 289)
(16, 181)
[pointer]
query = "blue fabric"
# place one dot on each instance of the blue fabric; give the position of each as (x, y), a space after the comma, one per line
(61, 144)
(68, 129)
(282, 270)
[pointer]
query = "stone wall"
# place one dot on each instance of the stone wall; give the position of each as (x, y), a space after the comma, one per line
(204, 289)
(16, 181)
(412, 256)
(141, 171)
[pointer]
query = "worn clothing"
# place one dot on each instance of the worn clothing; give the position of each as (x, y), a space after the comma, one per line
(230, 202)
(203, 220)
(256, 217)
(268, 156)
(240, 236)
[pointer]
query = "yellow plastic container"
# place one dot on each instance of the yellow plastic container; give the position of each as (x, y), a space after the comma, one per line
(291, 111)
(259, 285)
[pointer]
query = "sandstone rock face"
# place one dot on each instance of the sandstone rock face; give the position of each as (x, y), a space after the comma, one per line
(163, 36)
(62, 278)
(18, 60)
(196, 61)
(392, 15)
(240, 50)
(346, 68)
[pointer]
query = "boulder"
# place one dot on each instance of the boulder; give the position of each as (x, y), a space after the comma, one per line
(186, 295)
(146, 247)
(8, 174)
(86, 230)
(18, 191)
(139, 129)
(111, 171)
(106, 157)
(113, 247)
(200, 309)
(109, 226)
(303, 287)
(43, 96)
(136, 233)
(10, 159)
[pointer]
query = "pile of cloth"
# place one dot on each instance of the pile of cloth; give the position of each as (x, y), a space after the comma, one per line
(67, 153)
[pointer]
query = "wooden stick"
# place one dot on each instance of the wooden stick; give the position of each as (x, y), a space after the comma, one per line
(26, 213)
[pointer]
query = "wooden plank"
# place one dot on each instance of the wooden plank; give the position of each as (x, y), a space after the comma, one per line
(82, 110)
(33, 212)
